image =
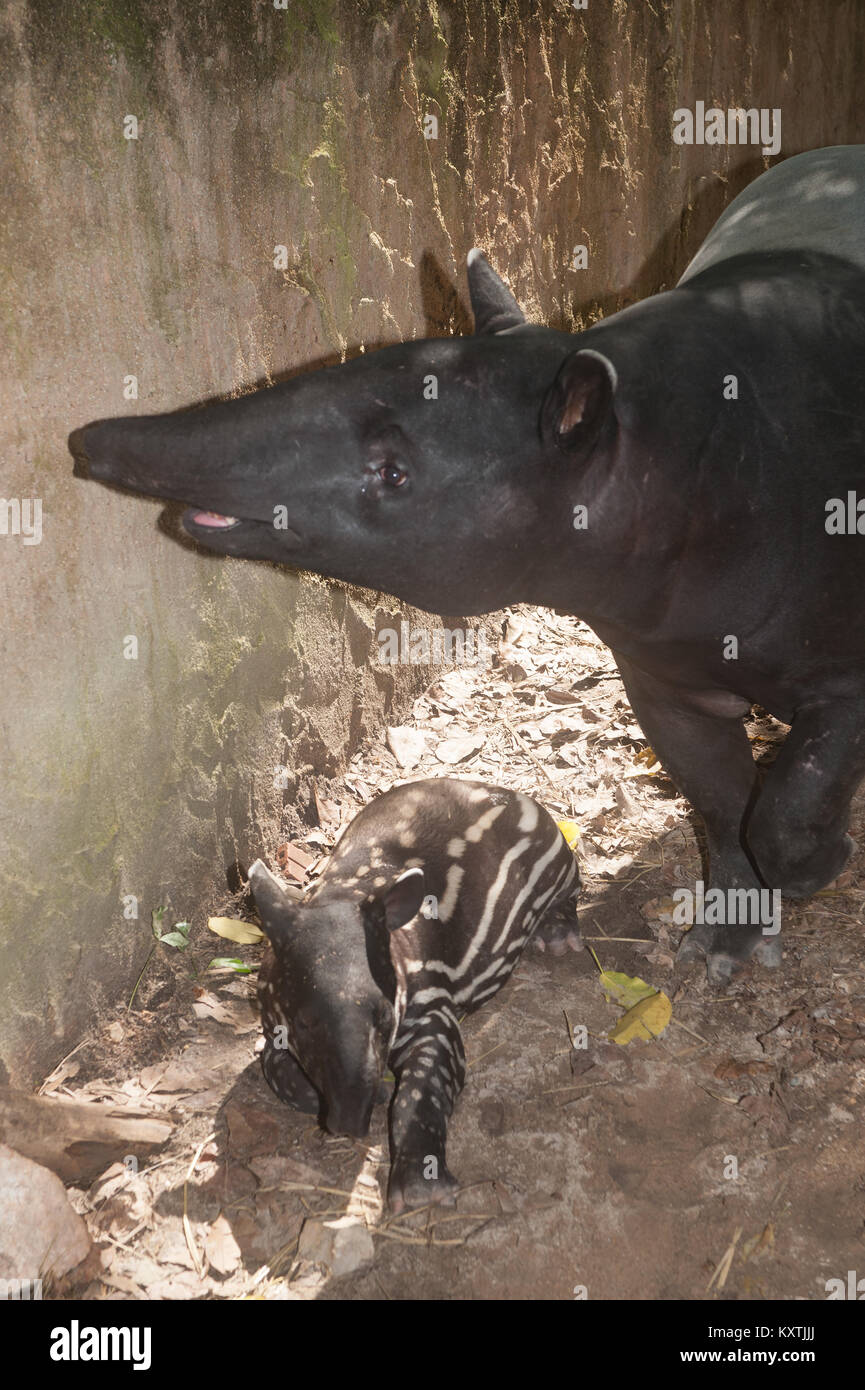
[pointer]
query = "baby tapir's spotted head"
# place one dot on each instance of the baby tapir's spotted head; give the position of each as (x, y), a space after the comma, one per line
(328, 991)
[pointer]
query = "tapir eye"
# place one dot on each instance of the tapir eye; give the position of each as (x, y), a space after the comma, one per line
(392, 474)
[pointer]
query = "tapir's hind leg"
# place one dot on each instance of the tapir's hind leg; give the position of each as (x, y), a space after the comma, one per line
(710, 760)
(558, 932)
(797, 830)
(558, 928)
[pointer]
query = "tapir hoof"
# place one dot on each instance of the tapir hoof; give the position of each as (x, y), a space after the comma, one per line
(727, 950)
(409, 1188)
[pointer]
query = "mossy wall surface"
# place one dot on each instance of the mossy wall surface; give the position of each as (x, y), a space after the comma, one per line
(302, 127)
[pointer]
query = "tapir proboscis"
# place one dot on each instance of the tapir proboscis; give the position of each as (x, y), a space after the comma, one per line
(684, 476)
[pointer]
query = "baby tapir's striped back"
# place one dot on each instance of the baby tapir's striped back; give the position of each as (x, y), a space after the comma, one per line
(494, 862)
(420, 916)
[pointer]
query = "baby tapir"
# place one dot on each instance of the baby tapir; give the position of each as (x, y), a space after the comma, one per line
(419, 917)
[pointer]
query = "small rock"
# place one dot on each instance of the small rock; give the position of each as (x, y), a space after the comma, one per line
(344, 1245)
(39, 1233)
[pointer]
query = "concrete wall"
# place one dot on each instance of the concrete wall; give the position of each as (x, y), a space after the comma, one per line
(154, 257)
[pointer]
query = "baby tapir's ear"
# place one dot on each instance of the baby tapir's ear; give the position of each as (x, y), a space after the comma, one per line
(271, 899)
(579, 401)
(403, 899)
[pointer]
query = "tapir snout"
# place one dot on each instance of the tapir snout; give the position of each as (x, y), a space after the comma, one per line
(351, 1115)
(229, 460)
(350, 1064)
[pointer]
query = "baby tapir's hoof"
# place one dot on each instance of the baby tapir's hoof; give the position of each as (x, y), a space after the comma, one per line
(727, 950)
(557, 935)
(420, 1180)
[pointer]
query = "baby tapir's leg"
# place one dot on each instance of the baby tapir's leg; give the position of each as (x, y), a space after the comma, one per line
(430, 1067)
(555, 913)
(559, 930)
(285, 1077)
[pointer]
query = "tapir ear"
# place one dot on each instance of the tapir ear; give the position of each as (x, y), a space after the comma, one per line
(579, 401)
(493, 305)
(403, 899)
(272, 899)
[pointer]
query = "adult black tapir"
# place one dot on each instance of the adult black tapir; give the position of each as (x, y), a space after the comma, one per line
(685, 476)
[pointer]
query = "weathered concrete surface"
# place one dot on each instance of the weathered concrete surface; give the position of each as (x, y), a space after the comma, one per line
(153, 257)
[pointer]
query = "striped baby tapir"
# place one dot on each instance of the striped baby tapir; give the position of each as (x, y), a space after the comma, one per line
(420, 916)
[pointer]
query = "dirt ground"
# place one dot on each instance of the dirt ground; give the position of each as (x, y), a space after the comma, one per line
(723, 1160)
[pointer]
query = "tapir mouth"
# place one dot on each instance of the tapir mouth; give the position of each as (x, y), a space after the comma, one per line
(213, 521)
(208, 526)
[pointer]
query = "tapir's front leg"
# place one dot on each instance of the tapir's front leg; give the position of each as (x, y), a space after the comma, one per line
(710, 760)
(286, 1078)
(429, 1063)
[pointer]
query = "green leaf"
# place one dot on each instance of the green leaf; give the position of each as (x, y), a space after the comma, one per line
(175, 938)
(230, 963)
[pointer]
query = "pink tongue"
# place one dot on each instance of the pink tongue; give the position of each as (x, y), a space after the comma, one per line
(212, 519)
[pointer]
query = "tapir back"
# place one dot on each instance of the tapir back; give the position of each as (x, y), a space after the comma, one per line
(813, 202)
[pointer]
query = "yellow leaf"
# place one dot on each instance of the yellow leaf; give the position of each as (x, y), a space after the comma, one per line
(759, 1244)
(571, 832)
(647, 755)
(627, 990)
(244, 933)
(645, 1020)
